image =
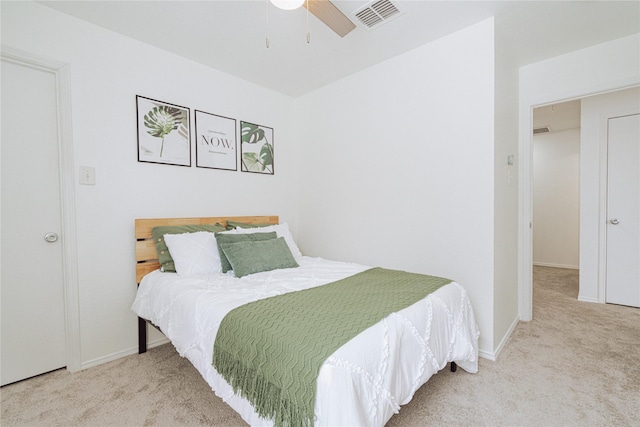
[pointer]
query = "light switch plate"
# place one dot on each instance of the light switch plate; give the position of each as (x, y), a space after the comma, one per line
(87, 175)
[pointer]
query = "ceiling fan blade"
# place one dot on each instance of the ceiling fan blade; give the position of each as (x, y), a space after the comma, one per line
(333, 18)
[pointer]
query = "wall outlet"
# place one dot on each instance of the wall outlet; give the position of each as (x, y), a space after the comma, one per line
(87, 175)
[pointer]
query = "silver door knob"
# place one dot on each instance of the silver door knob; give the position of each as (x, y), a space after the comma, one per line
(51, 237)
(615, 221)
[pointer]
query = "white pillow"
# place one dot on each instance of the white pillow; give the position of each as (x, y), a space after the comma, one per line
(282, 230)
(194, 254)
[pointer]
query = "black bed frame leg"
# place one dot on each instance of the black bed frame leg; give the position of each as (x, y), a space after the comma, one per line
(142, 335)
(454, 366)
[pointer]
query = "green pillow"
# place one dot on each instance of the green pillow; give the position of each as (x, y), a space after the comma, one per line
(235, 224)
(164, 257)
(255, 256)
(235, 238)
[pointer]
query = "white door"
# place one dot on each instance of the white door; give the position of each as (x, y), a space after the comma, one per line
(31, 280)
(623, 211)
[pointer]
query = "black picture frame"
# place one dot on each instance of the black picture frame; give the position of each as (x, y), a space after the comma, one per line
(164, 132)
(216, 141)
(257, 148)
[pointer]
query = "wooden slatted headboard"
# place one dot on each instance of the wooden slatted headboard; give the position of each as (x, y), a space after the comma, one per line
(146, 255)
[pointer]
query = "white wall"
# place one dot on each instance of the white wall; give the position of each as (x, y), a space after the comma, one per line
(596, 110)
(107, 72)
(505, 298)
(556, 201)
(399, 166)
(601, 68)
(419, 194)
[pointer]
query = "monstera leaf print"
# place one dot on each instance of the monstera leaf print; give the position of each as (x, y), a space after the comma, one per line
(261, 161)
(252, 134)
(162, 120)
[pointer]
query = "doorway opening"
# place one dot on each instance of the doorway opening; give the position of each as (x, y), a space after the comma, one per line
(556, 190)
(596, 108)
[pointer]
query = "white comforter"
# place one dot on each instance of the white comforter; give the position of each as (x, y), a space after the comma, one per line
(362, 383)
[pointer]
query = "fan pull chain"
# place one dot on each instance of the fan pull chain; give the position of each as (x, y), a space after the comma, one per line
(267, 24)
(267, 37)
(308, 33)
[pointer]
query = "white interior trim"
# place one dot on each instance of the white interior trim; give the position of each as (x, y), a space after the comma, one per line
(124, 353)
(525, 217)
(603, 127)
(67, 194)
(505, 339)
(493, 356)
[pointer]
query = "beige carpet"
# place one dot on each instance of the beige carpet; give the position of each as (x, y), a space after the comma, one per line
(575, 364)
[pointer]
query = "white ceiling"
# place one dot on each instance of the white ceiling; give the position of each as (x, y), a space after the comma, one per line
(230, 35)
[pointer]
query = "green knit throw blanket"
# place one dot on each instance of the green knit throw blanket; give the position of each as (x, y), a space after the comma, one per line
(271, 350)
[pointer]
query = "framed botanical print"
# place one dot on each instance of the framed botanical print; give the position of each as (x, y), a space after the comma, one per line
(257, 148)
(163, 132)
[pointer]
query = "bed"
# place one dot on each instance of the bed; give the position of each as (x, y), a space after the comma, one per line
(364, 382)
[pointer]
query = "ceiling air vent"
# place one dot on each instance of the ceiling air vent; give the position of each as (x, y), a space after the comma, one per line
(377, 13)
(538, 131)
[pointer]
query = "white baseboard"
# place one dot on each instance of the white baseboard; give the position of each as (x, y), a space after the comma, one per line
(506, 336)
(108, 358)
(158, 342)
(549, 264)
(493, 356)
(588, 299)
(487, 355)
(120, 354)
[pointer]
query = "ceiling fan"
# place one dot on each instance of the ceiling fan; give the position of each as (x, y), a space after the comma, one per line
(324, 10)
